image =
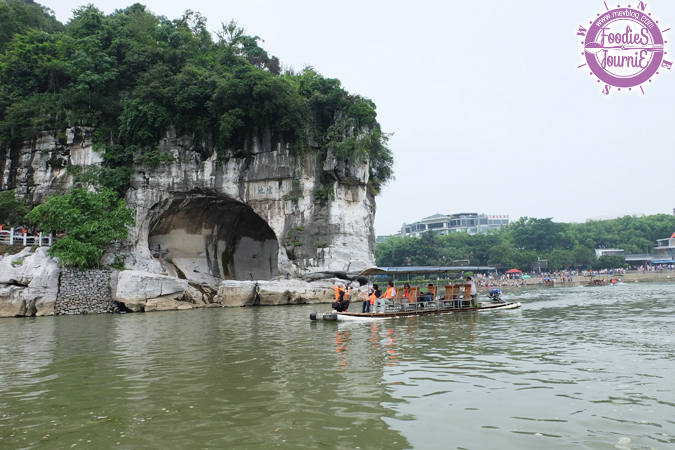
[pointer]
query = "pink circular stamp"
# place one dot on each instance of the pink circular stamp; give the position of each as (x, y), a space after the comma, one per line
(624, 47)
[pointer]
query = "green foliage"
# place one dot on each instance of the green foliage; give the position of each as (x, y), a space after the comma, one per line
(91, 223)
(118, 263)
(296, 191)
(20, 16)
(17, 263)
(155, 158)
(610, 262)
(11, 209)
(563, 245)
(134, 75)
(323, 194)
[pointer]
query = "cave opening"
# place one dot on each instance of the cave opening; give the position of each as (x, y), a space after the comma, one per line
(209, 239)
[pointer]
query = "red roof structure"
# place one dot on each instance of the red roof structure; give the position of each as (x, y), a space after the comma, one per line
(514, 271)
(673, 236)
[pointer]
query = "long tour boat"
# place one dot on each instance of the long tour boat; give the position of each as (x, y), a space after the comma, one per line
(457, 298)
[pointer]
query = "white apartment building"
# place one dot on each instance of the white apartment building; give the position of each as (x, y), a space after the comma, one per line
(471, 223)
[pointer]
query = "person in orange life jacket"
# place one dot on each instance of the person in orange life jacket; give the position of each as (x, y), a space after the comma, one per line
(375, 293)
(342, 302)
(387, 298)
(406, 293)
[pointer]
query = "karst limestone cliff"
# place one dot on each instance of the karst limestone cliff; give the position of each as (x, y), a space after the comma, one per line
(271, 215)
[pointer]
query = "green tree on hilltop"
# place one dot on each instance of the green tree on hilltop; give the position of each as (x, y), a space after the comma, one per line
(134, 75)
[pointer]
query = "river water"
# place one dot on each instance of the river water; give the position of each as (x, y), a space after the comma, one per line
(581, 368)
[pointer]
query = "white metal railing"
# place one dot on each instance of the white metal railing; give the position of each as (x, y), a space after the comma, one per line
(15, 237)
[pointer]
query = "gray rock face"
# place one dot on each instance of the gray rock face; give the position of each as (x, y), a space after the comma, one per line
(274, 214)
(237, 293)
(143, 291)
(29, 284)
(282, 292)
(202, 296)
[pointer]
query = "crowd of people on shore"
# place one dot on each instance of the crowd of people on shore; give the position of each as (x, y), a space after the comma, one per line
(655, 268)
(594, 273)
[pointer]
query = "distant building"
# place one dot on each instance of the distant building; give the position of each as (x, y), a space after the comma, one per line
(608, 252)
(665, 250)
(638, 259)
(471, 223)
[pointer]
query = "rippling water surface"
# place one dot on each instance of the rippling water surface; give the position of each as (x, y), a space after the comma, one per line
(582, 368)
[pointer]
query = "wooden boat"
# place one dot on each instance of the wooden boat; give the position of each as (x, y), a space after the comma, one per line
(597, 282)
(432, 308)
(455, 300)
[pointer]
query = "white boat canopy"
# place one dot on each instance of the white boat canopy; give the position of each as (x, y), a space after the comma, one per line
(422, 269)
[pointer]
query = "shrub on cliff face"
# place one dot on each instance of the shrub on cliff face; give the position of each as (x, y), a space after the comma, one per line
(11, 209)
(90, 221)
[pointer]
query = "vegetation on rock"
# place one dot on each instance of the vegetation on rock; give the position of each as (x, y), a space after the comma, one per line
(11, 209)
(90, 221)
(563, 245)
(133, 75)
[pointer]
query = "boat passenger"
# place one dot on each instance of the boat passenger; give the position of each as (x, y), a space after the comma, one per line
(386, 299)
(342, 302)
(374, 294)
(473, 292)
(429, 296)
(406, 294)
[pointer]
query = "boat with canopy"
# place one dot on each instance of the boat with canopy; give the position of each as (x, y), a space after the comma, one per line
(457, 297)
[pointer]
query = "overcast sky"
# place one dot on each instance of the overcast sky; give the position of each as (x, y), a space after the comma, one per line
(489, 111)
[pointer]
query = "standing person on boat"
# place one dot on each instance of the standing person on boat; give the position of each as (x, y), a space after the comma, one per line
(386, 299)
(374, 294)
(473, 292)
(342, 302)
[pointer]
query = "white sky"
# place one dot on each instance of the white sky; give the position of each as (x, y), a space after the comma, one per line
(489, 110)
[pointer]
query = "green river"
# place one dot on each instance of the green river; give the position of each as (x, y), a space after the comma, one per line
(577, 368)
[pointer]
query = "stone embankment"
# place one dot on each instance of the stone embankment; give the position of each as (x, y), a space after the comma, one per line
(85, 292)
(32, 283)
